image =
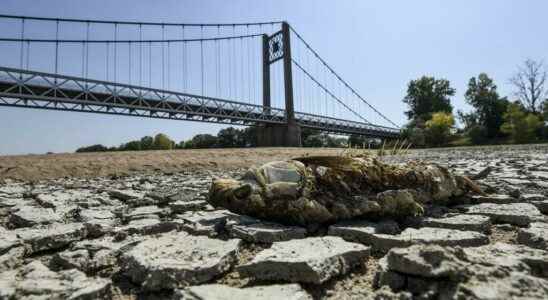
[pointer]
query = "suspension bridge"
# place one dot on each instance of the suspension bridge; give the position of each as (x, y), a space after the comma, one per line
(251, 74)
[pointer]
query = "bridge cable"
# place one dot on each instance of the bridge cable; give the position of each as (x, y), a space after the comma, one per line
(150, 65)
(168, 65)
(129, 62)
(202, 59)
(140, 55)
(56, 49)
(327, 91)
(115, 52)
(107, 59)
(218, 63)
(183, 50)
(163, 57)
(28, 55)
(71, 20)
(338, 77)
(22, 44)
(87, 51)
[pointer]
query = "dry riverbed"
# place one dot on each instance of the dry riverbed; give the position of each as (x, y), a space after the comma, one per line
(137, 224)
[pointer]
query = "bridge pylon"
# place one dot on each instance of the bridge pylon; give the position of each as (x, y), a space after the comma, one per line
(278, 47)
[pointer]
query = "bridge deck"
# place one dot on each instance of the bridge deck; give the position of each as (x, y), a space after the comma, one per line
(31, 89)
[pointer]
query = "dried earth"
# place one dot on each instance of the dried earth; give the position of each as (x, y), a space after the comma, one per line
(136, 225)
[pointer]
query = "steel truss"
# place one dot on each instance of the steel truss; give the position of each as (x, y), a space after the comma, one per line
(30, 89)
(49, 91)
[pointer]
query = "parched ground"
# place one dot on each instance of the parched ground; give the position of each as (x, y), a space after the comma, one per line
(51, 166)
(136, 225)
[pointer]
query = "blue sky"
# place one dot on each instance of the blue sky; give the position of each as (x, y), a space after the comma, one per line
(377, 46)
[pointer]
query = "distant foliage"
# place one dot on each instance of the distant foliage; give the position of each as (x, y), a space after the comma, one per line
(92, 148)
(477, 134)
(202, 141)
(521, 125)
(163, 142)
(438, 128)
(489, 108)
(426, 96)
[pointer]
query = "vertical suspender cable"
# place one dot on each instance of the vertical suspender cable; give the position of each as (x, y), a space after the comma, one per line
(168, 64)
(21, 44)
(242, 55)
(218, 64)
(140, 55)
(149, 64)
(115, 51)
(108, 54)
(87, 50)
(202, 58)
(163, 63)
(183, 58)
(56, 48)
(129, 61)
(28, 54)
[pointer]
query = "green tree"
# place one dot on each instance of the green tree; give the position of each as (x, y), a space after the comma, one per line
(248, 137)
(356, 140)
(130, 146)
(202, 141)
(314, 141)
(147, 143)
(228, 137)
(545, 110)
(438, 128)
(92, 148)
(163, 142)
(520, 125)
(188, 145)
(427, 95)
(489, 107)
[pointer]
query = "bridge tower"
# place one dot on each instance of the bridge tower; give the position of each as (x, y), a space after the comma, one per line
(278, 47)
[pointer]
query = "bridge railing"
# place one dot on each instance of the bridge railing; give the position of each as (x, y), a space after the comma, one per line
(336, 125)
(45, 90)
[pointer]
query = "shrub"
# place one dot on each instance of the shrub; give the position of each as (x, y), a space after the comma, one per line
(438, 128)
(477, 134)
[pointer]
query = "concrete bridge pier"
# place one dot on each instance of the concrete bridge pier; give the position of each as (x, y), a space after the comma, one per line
(279, 135)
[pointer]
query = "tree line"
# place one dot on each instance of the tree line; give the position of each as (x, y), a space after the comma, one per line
(493, 118)
(519, 118)
(226, 138)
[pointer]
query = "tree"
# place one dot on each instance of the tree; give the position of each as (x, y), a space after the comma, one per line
(147, 143)
(228, 137)
(188, 145)
(202, 141)
(248, 137)
(356, 140)
(130, 146)
(438, 128)
(545, 110)
(163, 142)
(427, 95)
(489, 107)
(92, 148)
(468, 119)
(530, 84)
(315, 141)
(520, 125)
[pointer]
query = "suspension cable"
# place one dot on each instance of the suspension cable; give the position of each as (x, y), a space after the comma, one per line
(140, 55)
(57, 47)
(327, 91)
(72, 20)
(21, 44)
(339, 78)
(202, 59)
